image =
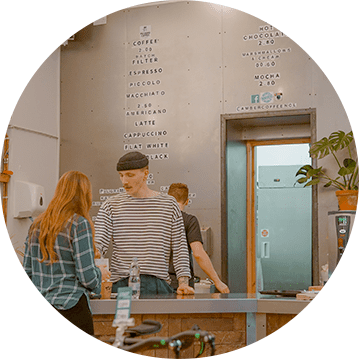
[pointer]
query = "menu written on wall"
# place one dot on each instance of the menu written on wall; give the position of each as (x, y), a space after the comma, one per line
(265, 55)
(145, 106)
(145, 98)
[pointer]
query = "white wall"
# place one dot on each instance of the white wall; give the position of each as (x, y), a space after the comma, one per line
(34, 141)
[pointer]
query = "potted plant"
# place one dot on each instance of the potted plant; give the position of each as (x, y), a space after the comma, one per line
(347, 180)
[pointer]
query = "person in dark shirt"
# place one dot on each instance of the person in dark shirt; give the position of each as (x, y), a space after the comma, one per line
(194, 239)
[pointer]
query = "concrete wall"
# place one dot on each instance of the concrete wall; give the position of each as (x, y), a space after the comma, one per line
(34, 141)
(193, 62)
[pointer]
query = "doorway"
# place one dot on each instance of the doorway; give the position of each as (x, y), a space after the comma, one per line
(282, 216)
(245, 140)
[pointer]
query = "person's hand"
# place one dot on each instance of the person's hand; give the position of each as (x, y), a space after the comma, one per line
(222, 288)
(185, 289)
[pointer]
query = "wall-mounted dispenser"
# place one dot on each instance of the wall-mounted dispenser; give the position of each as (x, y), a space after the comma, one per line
(29, 199)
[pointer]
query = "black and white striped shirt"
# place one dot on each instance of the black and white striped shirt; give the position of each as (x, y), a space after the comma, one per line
(146, 228)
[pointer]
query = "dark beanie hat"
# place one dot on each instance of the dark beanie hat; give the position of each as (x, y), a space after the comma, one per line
(132, 161)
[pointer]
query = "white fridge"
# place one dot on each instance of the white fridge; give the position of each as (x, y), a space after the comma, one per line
(283, 230)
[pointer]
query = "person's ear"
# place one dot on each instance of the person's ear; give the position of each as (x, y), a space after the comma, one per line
(147, 172)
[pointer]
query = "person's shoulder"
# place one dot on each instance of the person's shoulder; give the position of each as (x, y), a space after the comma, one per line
(189, 217)
(167, 198)
(78, 219)
(79, 222)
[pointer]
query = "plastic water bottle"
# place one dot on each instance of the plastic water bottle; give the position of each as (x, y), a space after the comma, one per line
(134, 279)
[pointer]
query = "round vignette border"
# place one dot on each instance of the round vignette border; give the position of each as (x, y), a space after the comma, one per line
(307, 38)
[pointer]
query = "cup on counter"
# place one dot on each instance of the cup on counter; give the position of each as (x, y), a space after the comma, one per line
(203, 286)
(102, 262)
(106, 285)
(106, 289)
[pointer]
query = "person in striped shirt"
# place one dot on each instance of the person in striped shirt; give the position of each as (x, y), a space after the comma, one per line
(145, 224)
(60, 252)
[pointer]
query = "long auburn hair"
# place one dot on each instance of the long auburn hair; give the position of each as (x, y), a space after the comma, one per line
(73, 195)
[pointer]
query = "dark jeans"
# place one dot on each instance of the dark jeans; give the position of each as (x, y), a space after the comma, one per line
(150, 285)
(80, 315)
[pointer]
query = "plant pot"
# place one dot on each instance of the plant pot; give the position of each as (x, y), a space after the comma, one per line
(347, 200)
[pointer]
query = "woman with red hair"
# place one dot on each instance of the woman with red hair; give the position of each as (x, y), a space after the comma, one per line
(60, 253)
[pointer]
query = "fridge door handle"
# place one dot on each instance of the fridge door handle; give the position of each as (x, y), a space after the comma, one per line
(265, 250)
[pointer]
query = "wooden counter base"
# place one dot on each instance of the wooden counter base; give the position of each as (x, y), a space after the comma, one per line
(230, 329)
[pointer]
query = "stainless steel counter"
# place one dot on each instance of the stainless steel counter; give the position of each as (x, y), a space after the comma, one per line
(205, 303)
(260, 312)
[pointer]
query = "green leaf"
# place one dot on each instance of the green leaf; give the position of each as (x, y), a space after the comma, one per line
(340, 139)
(354, 179)
(313, 182)
(349, 163)
(302, 180)
(314, 172)
(303, 170)
(300, 172)
(321, 148)
(345, 171)
(328, 184)
(307, 167)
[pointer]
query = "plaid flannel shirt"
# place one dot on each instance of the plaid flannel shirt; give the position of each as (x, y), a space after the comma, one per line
(64, 282)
